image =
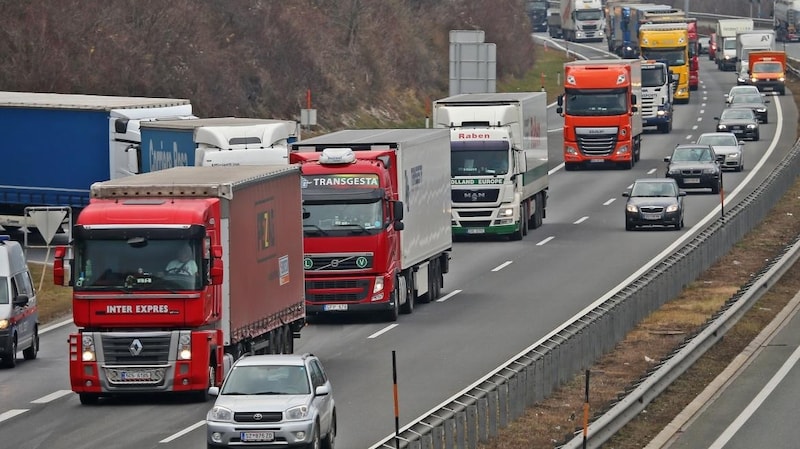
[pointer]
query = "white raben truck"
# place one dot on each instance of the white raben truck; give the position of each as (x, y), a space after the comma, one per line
(498, 144)
(582, 20)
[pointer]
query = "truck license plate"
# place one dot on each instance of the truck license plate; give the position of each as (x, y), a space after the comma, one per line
(257, 436)
(476, 231)
(335, 307)
(135, 375)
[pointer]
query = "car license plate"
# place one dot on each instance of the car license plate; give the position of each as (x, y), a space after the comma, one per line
(135, 375)
(476, 231)
(692, 181)
(335, 307)
(257, 436)
(651, 216)
(597, 161)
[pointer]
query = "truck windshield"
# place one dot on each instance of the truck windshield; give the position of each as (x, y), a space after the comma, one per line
(486, 161)
(729, 44)
(138, 264)
(590, 14)
(596, 102)
(674, 56)
(767, 67)
(653, 76)
(4, 295)
(342, 218)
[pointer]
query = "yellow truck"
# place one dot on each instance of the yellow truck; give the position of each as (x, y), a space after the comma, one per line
(668, 42)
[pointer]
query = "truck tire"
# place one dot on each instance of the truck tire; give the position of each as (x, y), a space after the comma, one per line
(408, 307)
(30, 352)
(568, 166)
(538, 211)
(288, 342)
(431, 295)
(518, 233)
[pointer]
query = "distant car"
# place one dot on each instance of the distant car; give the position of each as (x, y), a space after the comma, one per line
(694, 166)
(740, 121)
(712, 46)
(756, 102)
(727, 147)
(748, 89)
(654, 202)
(273, 400)
(743, 77)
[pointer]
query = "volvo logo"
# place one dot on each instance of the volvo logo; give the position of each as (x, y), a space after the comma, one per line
(258, 417)
(136, 347)
(335, 263)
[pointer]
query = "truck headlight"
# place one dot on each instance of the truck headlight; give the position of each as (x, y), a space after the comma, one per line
(781, 78)
(296, 413)
(185, 346)
(622, 150)
(506, 212)
(87, 349)
(378, 287)
(220, 414)
(570, 150)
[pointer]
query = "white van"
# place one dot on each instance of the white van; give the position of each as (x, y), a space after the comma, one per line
(19, 315)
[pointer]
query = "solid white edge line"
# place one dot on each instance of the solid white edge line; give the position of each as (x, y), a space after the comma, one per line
(12, 413)
(51, 397)
(545, 240)
(384, 330)
(503, 265)
(448, 296)
(183, 432)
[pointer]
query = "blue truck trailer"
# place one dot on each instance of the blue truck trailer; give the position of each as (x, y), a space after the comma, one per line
(216, 141)
(55, 146)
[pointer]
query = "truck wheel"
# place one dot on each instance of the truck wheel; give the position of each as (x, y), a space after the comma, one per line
(288, 342)
(526, 217)
(89, 398)
(538, 213)
(30, 352)
(517, 234)
(408, 307)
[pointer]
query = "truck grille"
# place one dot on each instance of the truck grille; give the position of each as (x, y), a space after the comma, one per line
(338, 262)
(589, 27)
(649, 107)
(351, 290)
(120, 350)
(597, 145)
(474, 213)
(475, 195)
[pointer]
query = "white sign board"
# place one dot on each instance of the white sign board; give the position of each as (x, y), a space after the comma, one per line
(47, 221)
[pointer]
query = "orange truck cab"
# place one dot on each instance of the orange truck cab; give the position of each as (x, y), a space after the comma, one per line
(601, 106)
(767, 71)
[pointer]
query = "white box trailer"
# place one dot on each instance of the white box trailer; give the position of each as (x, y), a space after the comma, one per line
(487, 129)
(748, 41)
(726, 30)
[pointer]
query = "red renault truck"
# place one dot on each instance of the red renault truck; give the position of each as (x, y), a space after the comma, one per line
(177, 273)
(376, 219)
(601, 106)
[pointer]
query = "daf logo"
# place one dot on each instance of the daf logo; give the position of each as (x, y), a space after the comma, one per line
(136, 347)
(258, 417)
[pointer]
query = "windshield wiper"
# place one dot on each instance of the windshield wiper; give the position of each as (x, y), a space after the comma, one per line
(314, 228)
(360, 229)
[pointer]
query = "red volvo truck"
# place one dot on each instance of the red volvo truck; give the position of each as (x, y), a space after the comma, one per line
(178, 272)
(376, 219)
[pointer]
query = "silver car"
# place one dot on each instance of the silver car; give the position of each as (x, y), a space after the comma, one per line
(273, 401)
(727, 147)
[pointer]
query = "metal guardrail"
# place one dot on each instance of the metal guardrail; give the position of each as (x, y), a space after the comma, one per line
(714, 17)
(479, 411)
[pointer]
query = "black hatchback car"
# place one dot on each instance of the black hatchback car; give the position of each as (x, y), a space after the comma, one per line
(695, 166)
(654, 202)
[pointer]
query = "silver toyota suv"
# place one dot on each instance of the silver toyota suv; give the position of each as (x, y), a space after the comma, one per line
(273, 400)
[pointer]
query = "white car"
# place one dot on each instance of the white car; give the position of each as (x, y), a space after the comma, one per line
(741, 89)
(727, 147)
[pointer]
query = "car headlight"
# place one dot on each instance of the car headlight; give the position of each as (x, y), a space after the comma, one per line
(709, 170)
(754, 79)
(761, 110)
(220, 414)
(296, 413)
(721, 126)
(673, 171)
(631, 208)
(3, 324)
(751, 126)
(733, 156)
(672, 208)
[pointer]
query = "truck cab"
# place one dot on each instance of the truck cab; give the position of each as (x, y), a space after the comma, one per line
(669, 42)
(19, 316)
(657, 95)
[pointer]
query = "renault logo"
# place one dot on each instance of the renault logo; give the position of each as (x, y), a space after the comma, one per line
(136, 347)
(258, 417)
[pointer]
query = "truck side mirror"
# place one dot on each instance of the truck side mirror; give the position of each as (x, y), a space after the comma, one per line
(134, 158)
(397, 211)
(59, 272)
(216, 270)
(20, 301)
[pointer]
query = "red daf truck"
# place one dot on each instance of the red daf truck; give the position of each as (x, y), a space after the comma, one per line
(376, 219)
(177, 273)
(601, 106)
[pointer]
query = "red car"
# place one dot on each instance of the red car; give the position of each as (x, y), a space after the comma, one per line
(712, 46)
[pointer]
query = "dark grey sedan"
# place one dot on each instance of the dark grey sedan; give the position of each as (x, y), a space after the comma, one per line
(740, 121)
(695, 166)
(654, 202)
(756, 102)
